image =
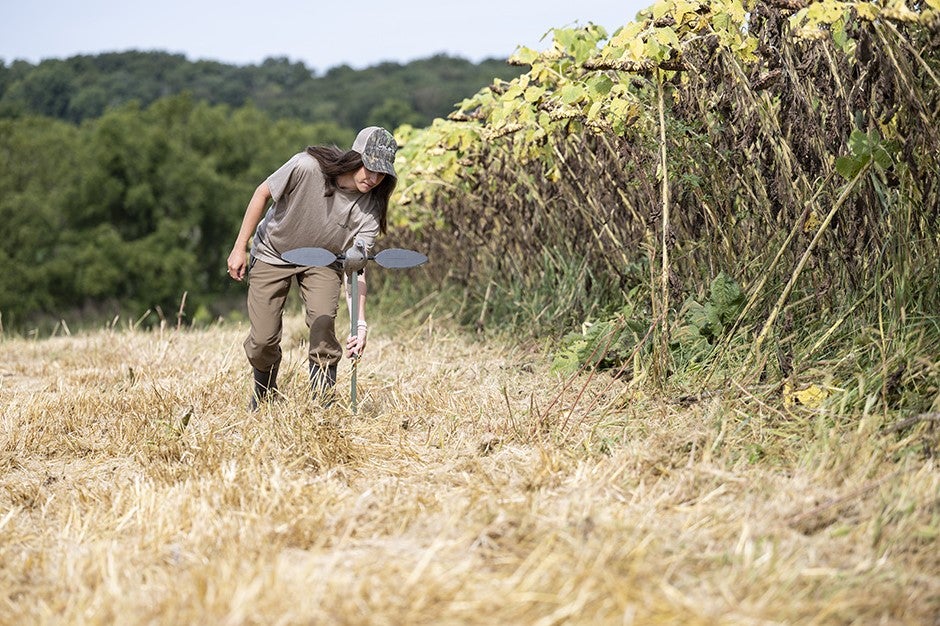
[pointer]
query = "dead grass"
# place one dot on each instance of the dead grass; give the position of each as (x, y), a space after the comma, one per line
(135, 488)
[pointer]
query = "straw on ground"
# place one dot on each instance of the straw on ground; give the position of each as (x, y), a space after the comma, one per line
(136, 488)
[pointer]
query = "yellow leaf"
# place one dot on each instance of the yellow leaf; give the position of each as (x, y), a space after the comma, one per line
(532, 94)
(733, 8)
(812, 397)
(626, 35)
(667, 37)
(869, 12)
(825, 12)
(747, 48)
(637, 49)
(812, 222)
(897, 9)
(684, 8)
(526, 56)
(595, 110)
(661, 8)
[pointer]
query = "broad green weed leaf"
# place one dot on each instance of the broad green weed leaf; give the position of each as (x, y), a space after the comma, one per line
(858, 143)
(882, 158)
(848, 167)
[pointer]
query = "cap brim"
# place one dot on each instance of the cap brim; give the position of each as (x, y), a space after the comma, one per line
(379, 165)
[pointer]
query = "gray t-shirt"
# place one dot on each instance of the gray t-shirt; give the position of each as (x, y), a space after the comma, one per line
(301, 216)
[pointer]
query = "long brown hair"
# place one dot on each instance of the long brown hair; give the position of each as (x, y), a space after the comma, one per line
(335, 162)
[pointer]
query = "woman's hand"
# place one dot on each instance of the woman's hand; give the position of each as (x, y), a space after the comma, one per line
(237, 262)
(356, 344)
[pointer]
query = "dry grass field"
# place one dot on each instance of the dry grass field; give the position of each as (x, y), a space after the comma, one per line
(472, 487)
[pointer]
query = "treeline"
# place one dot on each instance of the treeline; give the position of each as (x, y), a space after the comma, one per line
(389, 94)
(127, 212)
(124, 177)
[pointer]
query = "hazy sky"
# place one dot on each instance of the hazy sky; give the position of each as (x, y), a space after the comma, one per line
(321, 34)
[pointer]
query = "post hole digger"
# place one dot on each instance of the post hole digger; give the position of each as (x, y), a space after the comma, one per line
(354, 261)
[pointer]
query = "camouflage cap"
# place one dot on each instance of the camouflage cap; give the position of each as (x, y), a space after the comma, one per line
(377, 147)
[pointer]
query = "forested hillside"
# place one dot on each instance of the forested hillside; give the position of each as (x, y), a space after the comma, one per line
(388, 94)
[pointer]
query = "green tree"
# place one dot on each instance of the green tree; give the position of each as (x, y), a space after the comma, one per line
(393, 112)
(40, 163)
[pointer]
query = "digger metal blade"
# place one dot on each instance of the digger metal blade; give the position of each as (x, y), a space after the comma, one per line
(397, 258)
(317, 257)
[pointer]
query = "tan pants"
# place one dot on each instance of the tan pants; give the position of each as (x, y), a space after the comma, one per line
(268, 286)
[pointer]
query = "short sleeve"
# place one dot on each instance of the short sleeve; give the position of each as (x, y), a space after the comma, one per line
(280, 180)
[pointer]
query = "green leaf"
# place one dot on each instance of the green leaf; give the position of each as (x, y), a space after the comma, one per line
(583, 51)
(532, 94)
(526, 56)
(570, 94)
(713, 317)
(882, 158)
(839, 36)
(565, 37)
(727, 297)
(667, 37)
(848, 167)
(599, 86)
(653, 51)
(513, 92)
(695, 315)
(595, 110)
(858, 143)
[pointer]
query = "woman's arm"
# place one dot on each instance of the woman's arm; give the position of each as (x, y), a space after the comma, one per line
(356, 343)
(238, 259)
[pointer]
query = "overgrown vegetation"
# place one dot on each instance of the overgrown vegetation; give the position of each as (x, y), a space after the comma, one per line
(787, 150)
